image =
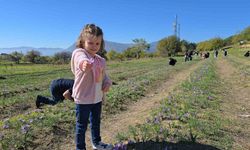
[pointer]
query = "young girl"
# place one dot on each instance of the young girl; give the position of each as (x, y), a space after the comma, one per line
(91, 82)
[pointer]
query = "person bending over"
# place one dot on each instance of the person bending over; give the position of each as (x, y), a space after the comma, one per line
(60, 89)
(172, 61)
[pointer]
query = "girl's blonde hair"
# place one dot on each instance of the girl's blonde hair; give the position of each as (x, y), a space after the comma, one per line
(89, 30)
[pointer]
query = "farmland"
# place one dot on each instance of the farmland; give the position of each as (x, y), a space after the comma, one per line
(197, 104)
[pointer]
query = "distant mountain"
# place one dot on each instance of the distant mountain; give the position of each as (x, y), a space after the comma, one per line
(119, 47)
(44, 51)
(153, 46)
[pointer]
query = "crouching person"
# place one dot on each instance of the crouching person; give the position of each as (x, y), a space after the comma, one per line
(172, 61)
(59, 89)
(247, 54)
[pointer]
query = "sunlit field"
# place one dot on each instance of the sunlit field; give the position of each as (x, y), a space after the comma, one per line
(191, 113)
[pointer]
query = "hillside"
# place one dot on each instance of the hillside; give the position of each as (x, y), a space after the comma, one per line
(119, 47)
(44, 51)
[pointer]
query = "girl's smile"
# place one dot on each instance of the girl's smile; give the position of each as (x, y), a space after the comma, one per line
(93, 44)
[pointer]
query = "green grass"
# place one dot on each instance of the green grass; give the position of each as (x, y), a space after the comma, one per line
(141, 76)
(191, 114)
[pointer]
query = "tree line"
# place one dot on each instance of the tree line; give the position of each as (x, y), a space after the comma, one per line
(167, 46)
(34, 56)
(173, 46)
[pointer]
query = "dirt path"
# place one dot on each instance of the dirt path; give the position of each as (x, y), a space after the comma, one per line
(236, 103)
(139, 111)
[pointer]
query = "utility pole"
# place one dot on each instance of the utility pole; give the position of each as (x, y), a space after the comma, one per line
(177, 28)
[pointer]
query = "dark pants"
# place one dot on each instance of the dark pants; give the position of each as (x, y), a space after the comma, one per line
(85, 112)
(46, 100)
(57, 96)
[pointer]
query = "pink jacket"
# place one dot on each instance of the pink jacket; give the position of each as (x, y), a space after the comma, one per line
(84, 85)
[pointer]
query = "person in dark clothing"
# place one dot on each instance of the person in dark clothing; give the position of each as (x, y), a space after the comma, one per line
(216, 52)
(207, 55)
(59, 89)
(225, 52)
(247, 54)
(172, 61)
(190, 53)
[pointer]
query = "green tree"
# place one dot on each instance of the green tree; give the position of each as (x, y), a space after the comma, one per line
(62, 57)
(130, 52)
(16, 57)
(242, 36)
(168, 46)
(184, 45)
(192, 46)
(217, 43)
(112, 55)
(187, 46)
(228, 41)
(43, 60)
(32, 55)
(140, 47)
(209, 45)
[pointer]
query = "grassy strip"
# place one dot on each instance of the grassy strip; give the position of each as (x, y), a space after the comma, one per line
(23, 83)
(23, 69)
(191, 114)
(237, 62)
(24, 130)
(131, 90)
(28, 95)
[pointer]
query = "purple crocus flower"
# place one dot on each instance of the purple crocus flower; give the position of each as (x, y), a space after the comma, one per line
(25, 128)
(161, 130)
(156, 120)
(210, 98)
(31, 120)
(117, 146)
(120, 146)
(6, 126)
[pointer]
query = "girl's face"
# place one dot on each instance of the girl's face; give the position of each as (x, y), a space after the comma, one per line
(92, 44)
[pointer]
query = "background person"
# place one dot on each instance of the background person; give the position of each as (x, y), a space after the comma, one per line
(59, 89)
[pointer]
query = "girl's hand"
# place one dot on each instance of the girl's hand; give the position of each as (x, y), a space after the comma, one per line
(86, 66)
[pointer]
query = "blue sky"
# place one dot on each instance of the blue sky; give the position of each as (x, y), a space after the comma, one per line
(57, 23)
